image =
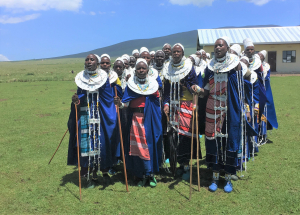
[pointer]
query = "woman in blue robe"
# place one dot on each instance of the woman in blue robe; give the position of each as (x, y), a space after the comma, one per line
(269, 114)
(93, 79)
(251, 98)
(143, 140)
(222, 147)
(180, 70)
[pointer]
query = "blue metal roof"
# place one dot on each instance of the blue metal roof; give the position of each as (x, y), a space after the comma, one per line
(268, 35)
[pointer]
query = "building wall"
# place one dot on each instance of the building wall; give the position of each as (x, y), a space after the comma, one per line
(280, 66)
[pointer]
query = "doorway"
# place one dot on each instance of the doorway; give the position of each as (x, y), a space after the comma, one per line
(272, 61)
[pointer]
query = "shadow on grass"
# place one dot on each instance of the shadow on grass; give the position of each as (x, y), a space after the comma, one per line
(100, 183)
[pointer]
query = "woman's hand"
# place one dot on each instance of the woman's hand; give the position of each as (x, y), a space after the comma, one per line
(117, 101)
(166, 109)
(75, 99)
(197, 90)
(127, 77)
(248, 117)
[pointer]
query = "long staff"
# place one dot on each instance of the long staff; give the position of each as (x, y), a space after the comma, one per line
(121, 140)
(192, 146)
(78, 151)
(58, 146)
(198, 148)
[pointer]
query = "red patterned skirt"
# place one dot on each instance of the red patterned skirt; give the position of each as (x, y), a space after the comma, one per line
(138, 142)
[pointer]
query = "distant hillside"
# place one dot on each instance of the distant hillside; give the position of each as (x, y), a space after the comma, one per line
(187, 39)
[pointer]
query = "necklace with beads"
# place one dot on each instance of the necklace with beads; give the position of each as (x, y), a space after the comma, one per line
(179, 65)
(143, 87)
(252, 63)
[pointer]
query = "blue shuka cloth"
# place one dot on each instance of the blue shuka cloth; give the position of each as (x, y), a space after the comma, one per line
(248, 100)
(119, 90)
(159, 82)
(251, 130)
(271, 112)
(117, 137)
(262, 92)
(153, 128)
(108, 129)
(213, 157)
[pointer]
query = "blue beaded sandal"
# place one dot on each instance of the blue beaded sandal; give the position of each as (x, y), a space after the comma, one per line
(228, 187)
(214, 185)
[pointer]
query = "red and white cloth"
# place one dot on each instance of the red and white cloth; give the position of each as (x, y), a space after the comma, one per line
(186, 118)
(211, 114)
(138, 142)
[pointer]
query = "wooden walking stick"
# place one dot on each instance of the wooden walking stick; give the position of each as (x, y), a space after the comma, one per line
(121, 140)
(58, 146)
(78, 151)
(198, 148)
(192, 146)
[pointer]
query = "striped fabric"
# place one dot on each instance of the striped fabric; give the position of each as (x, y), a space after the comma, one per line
(210, 112)
(186, 116)
(138, 142)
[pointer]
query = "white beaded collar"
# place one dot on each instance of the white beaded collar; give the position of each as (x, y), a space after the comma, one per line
(200, 69)
(244, 68)
(134, 85)
(256, 63)
(253, 77)
(231, 62)
(113, 76)
(153, 73)
(266, 67)
(178, 73)
(87, 82)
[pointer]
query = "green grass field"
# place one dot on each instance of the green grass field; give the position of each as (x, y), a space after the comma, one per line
(34, 113)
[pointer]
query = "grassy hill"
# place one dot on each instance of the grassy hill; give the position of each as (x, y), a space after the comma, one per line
(187, 39)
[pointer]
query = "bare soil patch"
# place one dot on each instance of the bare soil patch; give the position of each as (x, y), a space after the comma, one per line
(43, 115)
(2, 100)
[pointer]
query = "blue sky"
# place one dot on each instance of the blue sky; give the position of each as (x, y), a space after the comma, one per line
(34, 29)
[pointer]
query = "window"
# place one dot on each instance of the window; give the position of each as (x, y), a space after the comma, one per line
(212, 55)
(289, 56)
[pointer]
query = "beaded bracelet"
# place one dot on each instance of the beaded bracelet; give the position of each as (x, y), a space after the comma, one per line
(247, 108)
(122, 105)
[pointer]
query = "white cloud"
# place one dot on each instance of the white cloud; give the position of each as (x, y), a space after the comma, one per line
(257, 2)
(3, 58)
(203, 3)
(161, 4)
(113, 12)
(92, 13)
(199, 3)
(36, 5)
(13, 20)
(102, 12)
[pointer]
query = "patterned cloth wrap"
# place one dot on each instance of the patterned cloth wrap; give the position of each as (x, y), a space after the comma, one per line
(138, 141)
(185, 120)
(85, 145)
(221, 89)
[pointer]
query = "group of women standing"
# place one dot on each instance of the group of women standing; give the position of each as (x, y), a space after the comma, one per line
(157, 94)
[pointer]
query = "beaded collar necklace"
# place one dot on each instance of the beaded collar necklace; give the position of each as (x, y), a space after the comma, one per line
(92, 73)
(252, 63)
(221, 59)
(143, 87)
(178, 65)
(158, 67)
(220, 65)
